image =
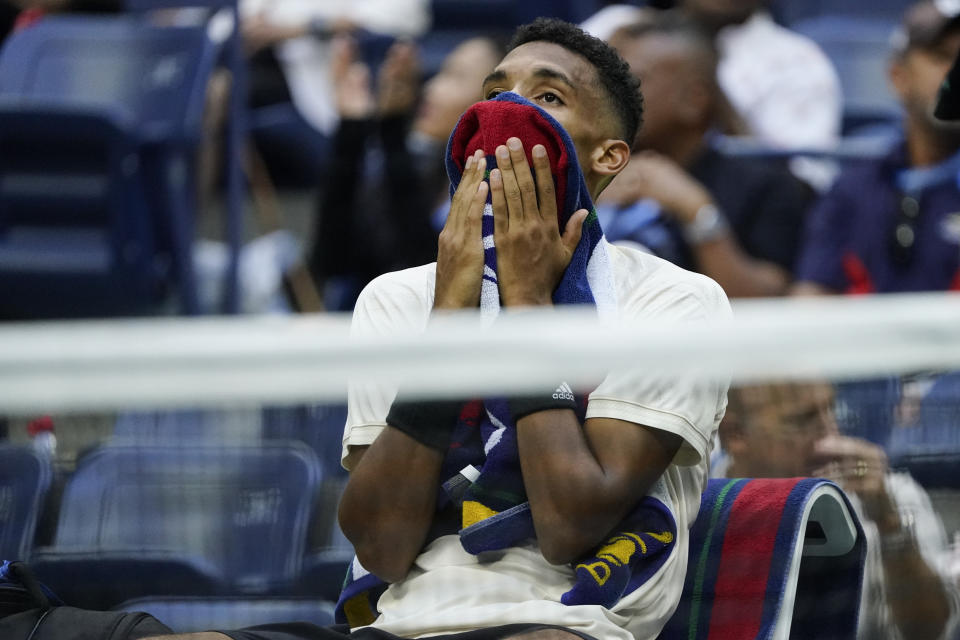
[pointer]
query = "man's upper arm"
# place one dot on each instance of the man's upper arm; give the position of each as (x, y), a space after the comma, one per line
(683, 405)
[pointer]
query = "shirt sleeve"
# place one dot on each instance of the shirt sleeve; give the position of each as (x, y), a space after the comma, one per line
(688, 406)
(394, 302)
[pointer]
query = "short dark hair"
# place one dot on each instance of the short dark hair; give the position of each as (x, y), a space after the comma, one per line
(622, 88)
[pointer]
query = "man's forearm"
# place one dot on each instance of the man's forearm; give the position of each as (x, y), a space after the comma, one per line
(389, 503)
(740, 275)
(915, 594)
(582, 480)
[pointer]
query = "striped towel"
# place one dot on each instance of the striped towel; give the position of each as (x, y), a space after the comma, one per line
(771, 559)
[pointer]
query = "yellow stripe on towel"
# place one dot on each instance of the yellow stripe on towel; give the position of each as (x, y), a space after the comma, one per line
(474, 512)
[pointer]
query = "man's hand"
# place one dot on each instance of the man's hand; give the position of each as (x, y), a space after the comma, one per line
(531, 253)
(398, 81)
(859, 467)
(655, 176)
(460, 246)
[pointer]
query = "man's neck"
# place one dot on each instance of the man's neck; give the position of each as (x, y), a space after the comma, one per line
(928, 146)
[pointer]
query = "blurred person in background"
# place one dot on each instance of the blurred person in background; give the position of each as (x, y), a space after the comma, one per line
(788, 430)
(288, 42)
(893, 224)
(783, 89)
(387, 174)
(736, 220)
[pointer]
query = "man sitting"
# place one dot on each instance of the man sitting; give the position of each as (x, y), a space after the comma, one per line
(642, 440)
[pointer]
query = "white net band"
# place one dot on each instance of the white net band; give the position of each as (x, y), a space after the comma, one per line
(208, 362)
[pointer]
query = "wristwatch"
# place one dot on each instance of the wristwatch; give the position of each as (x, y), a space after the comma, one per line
(708, 224)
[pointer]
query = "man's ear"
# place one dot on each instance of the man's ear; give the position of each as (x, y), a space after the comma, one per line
(609, 158)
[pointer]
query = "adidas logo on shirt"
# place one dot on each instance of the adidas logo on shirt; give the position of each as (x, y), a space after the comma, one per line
(563, 392)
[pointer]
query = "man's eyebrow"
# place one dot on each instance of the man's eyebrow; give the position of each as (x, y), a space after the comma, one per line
(552, 74)
(497, 75)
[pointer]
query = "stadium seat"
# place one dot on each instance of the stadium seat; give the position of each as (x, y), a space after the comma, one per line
(234, 59)
(790, 12)
(321, 427)
(201, 520)
(929, 448)
(188, 615)
(859, 49)
(100, 120)
(24, 480)
(770, 559)
(188, 427)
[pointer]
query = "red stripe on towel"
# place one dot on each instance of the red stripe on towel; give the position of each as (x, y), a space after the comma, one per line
(745, 560)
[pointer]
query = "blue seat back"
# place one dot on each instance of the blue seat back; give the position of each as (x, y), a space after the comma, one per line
(24, 480)
(859, 49)
(319, 426)
(155, 77)
(188, 427)
(245, 509)
(929, 446)
(188, 615)
(791, 12)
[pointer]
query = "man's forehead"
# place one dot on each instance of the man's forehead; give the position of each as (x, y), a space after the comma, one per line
(547, 55)
(786, 398)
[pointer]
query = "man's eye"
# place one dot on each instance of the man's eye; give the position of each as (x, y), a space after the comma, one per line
(493, 93)
(551, 98)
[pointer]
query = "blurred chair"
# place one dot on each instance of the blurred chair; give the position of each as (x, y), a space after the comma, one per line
(188, 615)
(859, 48)
(24, 480)
(188, 427)
(195, 520)
(100, 121)
(321, 427)
(790, 12)
(929, 448)
(224, 13)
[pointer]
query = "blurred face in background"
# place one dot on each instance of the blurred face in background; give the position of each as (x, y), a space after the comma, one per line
(455, 88)
(720, 13)
(770, 430)
(916, 76)
(677, 84)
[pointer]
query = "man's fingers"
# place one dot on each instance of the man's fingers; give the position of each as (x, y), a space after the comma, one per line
(501, 220)
(473, 172)
(511, 190)
(475, 213)
(573, 232)
(545, 187)
(523, 175)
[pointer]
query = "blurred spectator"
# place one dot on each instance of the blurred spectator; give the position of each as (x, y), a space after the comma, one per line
(782, 87)
(288, 41)
(375, 213)
(788, 430)
(736, 220)
(892, 225)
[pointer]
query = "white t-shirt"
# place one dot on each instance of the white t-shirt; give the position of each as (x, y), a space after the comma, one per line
(781, 83)
(448, 590)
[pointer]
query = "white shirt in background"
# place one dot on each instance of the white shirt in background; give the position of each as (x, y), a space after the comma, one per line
(780, 83)
(306, 61)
